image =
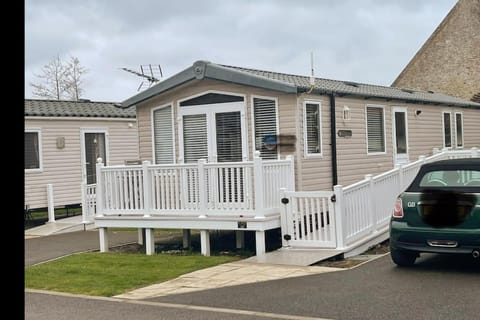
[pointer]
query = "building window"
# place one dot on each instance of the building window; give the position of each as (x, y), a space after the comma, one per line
(265, 123)
(459, 129)
(447, 130)
(33, 152)
(163, 135)
(375, 130)
(313, 128)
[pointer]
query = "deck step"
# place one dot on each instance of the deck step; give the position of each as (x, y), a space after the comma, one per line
(295, 257)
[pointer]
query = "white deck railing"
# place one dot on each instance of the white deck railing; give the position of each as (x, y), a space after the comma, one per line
(89, 201)
(362, 209)
(250, 188)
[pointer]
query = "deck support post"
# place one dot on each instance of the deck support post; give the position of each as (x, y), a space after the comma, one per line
(205, 242)
(260, 242)
(240, 239)
(141, 232)
(187, 241)
(103, 235)
(149, 242)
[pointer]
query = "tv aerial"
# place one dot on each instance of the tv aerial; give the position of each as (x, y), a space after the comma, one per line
(151, 74)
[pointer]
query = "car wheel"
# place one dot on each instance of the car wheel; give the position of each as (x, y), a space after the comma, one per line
(403, 258)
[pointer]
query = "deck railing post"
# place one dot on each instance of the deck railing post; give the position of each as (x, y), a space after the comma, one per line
(371, 202)
(258, 185)
(99, 189)
(50, 203)
(339, 215)
(202, 193)
(85, 207)
(399, 167)
(474, 152)
(291, 174)
(147, 189)
(283, 216)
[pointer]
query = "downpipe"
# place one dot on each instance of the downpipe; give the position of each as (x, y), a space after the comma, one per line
(476, 253)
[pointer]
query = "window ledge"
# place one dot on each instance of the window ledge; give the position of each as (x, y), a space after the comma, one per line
(376, 153)
(34, 170)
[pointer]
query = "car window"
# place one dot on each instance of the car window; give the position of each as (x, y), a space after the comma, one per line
(451, 178)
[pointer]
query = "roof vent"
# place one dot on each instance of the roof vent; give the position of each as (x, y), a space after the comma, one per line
(84, 100)
(430, 91)
(407, 90)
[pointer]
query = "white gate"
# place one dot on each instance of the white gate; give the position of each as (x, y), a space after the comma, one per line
(308, 219)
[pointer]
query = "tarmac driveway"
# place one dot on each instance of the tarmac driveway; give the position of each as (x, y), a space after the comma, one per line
(50, 247)
(438, 287)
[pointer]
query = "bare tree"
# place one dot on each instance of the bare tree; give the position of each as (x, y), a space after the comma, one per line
(52, 85)
(59, 80)
(74, 80)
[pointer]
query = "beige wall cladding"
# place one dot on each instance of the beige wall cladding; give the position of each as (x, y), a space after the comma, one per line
(449, 61)
(62, 167)
(286, 111)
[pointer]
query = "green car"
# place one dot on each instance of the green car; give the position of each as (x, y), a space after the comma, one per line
(439, 212)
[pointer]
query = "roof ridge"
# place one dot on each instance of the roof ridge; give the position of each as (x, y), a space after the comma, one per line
(72, 101)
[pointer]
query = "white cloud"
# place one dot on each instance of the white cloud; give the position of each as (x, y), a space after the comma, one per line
(366, 41)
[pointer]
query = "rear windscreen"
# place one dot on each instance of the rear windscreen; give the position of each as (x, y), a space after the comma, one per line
(450, 178)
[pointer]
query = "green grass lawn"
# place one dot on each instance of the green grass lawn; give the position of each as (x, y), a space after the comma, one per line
(109, 274)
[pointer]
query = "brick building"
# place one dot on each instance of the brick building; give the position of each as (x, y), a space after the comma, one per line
(449, 61)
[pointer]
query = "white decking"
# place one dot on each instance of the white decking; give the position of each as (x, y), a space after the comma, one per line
(241, 196)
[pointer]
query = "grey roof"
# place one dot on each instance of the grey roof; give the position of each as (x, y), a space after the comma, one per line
(293, 84)
(82, 108)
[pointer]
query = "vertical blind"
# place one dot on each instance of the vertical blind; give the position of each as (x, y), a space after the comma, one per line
(32, 159)
(163, 135)
(375, 130)
(447, 130)
(312, 114)
(195, 144)
(229, 137)
(265, 121)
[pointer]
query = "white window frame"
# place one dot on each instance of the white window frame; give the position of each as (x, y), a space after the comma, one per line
(443, 130)
(456, 133)
(384, 129)
(38, 131)
(252, 115)
(152, 123)
(305, 140)
(209, 110)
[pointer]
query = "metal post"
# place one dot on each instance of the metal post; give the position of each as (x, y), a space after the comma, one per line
(103, 235)
(149, 242)
(84, 204)
(258, 185)
(50, 203)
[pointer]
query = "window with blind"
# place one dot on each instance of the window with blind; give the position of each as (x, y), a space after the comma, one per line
(163, 135)
(32, 150)
(459, 129)
(447, 130)
(375, 130)
(265, 123)
(195, 139)
(312, 129)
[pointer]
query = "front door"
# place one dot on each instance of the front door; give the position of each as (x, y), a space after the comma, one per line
(94, 147)
(400, 135)
(214, 132)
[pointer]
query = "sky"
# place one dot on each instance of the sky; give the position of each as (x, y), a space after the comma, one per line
(368, 41)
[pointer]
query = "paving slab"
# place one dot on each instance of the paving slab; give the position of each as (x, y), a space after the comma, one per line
(295, 257)
(229, 274)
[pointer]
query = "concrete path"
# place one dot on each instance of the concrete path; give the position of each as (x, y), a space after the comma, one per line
(59, 226)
